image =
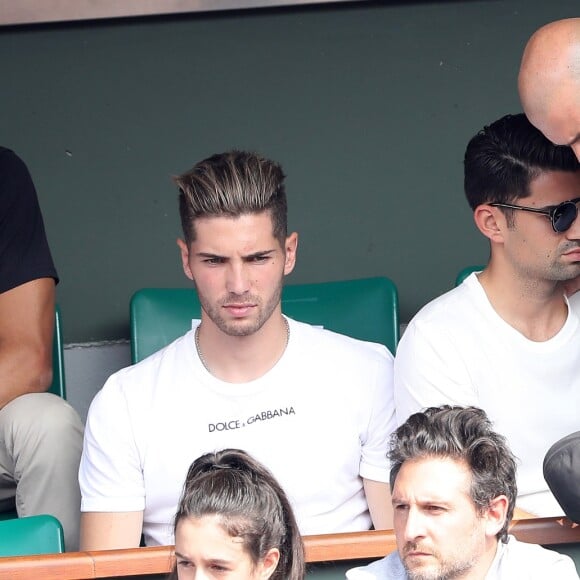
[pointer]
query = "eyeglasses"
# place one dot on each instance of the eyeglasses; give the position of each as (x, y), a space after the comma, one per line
(561, 216)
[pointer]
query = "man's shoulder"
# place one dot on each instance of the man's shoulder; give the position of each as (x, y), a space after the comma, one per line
(12, 168)
(452, 312)
(389, 567)
(322, 341)
(145, 374)
(525, 557)
(7, 156)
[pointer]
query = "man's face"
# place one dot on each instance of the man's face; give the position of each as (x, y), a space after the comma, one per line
(238, 267)
(533, 249)
(439, 533)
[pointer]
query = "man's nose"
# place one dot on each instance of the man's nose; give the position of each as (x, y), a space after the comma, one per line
(414, 526)
(237, 279)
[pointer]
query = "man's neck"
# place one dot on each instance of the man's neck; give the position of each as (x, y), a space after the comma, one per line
(485, 567)
(240, 359)
(535, 308)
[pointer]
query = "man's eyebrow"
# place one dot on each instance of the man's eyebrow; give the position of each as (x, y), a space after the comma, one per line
(259, 254)
(399, 499)
(208, 255)
(422, 501)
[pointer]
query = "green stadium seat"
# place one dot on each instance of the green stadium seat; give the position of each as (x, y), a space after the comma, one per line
(31, 535)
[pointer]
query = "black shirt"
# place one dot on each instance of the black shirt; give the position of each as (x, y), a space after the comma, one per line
(24, 251)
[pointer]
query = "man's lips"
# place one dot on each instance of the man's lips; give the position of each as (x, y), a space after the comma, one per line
(238, 309)
(416, 552)
(575, 253)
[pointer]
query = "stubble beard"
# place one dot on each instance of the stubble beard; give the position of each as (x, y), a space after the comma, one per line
(241, 327)
(560, 271)
(445, 571)
(556, 270)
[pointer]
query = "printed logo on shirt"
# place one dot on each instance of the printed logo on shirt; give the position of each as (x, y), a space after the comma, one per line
(252, 419)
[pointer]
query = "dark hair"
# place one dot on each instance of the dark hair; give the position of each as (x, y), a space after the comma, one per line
(504, 157)
(464, 434)
(251, 505)
(233, 184)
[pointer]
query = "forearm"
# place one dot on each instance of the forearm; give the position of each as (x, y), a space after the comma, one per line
(26, 331)
(23, 369)
(110, 530)
(378, 496)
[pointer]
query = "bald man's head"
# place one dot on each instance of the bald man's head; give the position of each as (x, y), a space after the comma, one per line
(549, 81)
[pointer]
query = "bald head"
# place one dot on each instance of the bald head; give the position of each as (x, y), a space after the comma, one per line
(549, 81)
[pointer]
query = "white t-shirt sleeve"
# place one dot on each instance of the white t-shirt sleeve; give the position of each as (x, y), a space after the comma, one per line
(374, 464)
(429, 371)
(110, 473)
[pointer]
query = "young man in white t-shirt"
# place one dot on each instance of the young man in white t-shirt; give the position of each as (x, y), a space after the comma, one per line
(506, 339)
(454, 487)
(314, 406)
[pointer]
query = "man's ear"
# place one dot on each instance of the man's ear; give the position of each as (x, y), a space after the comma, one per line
(290, 248)
(184, 250)
(491, 222)
(496, 515)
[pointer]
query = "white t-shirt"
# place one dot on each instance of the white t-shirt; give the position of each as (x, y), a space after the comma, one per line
(458, 350)
(319, 420)
(513, 561)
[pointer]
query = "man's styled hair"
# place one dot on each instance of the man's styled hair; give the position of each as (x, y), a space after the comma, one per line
(250, 504)
(462, 434)
(232, 184)
(504, 157)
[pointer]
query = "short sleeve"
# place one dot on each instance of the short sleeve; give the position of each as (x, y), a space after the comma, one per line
(24, 251)
(381, 422)
(110, 473)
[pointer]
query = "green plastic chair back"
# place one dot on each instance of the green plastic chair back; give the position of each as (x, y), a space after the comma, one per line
(367, 309)
(465, 272)
(58, 386)
(31, 535)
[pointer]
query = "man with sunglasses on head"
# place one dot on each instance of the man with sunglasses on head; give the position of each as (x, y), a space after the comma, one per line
(508, 338)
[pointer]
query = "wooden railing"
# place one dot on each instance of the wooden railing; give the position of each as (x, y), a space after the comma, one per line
(322, 548)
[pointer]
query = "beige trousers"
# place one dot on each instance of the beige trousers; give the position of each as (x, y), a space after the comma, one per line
(41, 439)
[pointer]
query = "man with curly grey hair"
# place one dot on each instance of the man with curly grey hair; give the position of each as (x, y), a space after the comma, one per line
(453, 481)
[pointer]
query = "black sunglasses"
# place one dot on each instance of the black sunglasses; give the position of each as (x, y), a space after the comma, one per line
(562, 215)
